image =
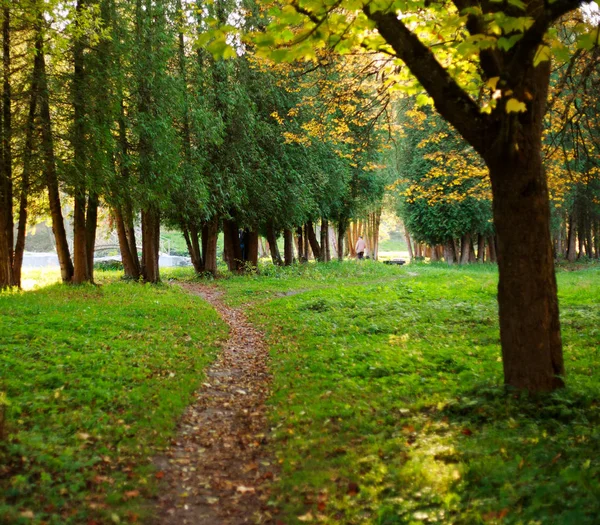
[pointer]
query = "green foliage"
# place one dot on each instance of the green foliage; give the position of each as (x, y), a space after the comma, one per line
(96, 378)
(388, 405)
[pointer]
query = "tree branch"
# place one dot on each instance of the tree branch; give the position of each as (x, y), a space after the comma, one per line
(452, 102)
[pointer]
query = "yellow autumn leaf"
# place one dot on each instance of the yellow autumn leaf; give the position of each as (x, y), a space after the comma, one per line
(514, 106)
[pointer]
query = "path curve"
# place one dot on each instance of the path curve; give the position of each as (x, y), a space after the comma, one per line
(217, 470)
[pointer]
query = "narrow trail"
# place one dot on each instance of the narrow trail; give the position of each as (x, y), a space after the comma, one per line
(217, 471)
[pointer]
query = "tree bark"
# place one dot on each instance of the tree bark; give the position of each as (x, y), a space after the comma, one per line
(273, 248)
(527, 294)
(210, 234)
(288, 247)
(312, 239)
(7, 277)
(58, 223)
(232, 249)
(150, 245)
(449, 252)
(480, 248)
(91, 224)
(130, 268)
(341, 233)
(81, 270)
(491, 242)
(300, 241)
(252, 248)
(465, 248)
(193, 247)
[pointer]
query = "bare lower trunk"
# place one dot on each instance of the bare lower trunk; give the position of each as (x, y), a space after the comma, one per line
(408, 244)
(491, 242)
(252, 248)
(131, 269)
(150, 245)
(480, 248)
(433, 254)
(58, 223)
(449, 252)
(341, 233)
(191, 240)
(80, 261)
(273, 248)
(465, 248)
(288, 247)
(91, 224)
(232, 249)
(300, 242)
(527, 294)
(210, 234)
(312, 239)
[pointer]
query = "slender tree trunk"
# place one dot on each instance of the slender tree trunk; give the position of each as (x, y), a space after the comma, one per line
(210, 234)
(91, 224)
(288, 247)
(323, 241)
(131, 269)
(465, 248)
(58, 223)
(300, 241)
(191, 240)
(491, 242)
(341, 233)
(433, 254)
(480, 248)
(81, 271)
(312, 239)
(150, 245)
(273, 248)
(409, 244)
(306, 243)
(449, 252)
(7, 277)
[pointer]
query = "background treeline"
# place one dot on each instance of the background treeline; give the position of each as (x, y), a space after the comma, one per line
(118, 104)
(443, 192)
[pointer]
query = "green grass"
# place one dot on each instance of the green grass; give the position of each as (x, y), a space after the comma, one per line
(95, 378)
(388, 403)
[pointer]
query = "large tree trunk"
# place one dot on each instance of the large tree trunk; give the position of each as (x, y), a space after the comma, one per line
(312, 239)
(58, 224)
(527, 294)
(150, 245)
(210, 234)
(273, 248)
(288, 247)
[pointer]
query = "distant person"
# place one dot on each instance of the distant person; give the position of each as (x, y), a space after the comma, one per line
(361, 246)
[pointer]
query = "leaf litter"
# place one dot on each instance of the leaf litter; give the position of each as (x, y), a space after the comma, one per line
(218, 469)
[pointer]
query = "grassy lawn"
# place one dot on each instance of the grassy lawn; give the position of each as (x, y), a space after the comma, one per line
(389, 407)
(93, 380)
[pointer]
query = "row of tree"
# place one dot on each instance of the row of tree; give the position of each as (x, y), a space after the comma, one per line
(119, 104)
(444, 193)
